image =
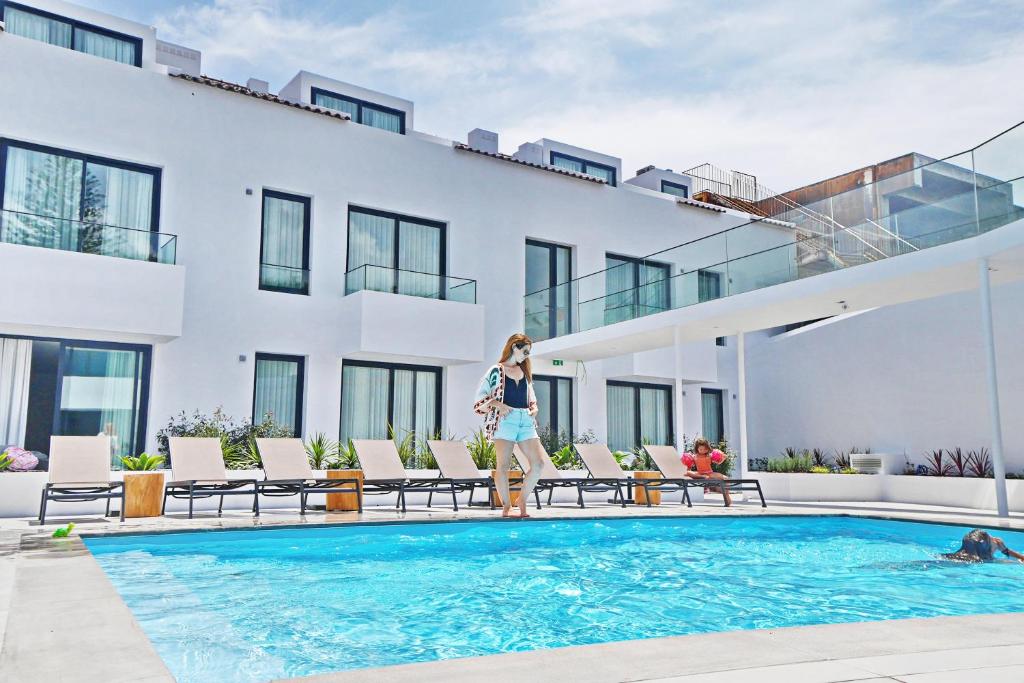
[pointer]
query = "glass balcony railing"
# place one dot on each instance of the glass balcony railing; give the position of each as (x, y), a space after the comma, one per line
(411, 283)
(288, 279)
(87, 237)
(934, 203)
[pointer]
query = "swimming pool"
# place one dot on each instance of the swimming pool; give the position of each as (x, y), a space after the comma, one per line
(272, 603)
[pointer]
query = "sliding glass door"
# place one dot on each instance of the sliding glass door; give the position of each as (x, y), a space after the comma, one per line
(554, 404)
(278, 390)
(638, 414)
(375, 396)
(634, 288)
(712, 415)
(388, 252)
(548, 285)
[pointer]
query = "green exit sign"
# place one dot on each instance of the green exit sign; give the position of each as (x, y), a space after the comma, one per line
(556, 363)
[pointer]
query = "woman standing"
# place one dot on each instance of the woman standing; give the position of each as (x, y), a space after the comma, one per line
(507, 402)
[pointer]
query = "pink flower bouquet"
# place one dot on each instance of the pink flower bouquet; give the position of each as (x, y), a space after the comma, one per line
(21, 460)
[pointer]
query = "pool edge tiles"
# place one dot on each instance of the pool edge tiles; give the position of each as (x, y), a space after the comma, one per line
(420, 538)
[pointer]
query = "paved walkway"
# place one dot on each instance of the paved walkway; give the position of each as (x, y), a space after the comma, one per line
(62, 620)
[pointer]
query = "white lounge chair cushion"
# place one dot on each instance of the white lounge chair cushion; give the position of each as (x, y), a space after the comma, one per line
(79, 460)
(197, 458)
(284, 459)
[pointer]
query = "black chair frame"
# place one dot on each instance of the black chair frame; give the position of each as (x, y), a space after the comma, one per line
(196, 490)
(70, 493)
(304, 487)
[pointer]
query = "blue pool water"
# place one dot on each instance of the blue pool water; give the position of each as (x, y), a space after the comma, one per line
(263, 604)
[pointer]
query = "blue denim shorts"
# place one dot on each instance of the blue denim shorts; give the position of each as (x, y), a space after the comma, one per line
(516, 426)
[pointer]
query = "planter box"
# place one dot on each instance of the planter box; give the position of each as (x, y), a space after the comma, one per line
(639, 495)
(143, 493)
(820, 488)
(961, 492)
(345, 502)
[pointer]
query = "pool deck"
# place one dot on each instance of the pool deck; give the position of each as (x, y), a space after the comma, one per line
(62, 620)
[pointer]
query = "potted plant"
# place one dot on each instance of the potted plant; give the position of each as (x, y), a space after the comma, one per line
(341, 463)
(643, 467)
(143, 487)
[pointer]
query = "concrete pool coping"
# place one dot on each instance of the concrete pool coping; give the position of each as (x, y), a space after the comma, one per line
(58, 611)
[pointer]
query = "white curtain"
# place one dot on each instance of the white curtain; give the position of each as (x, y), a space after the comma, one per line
(426, 404)
(564, 417)
(568, 164)
(118, 402)
(121, 198)
(404, 417)
(42, 199)
(277, 384)
(106, 47)
(653, 294)
(15, 372)
(364, 403)
(282, 260)
(711, 415)
(371, 242)
(621, 418)
(33, 26)
(420, 259)
(350, 108)
(620, 291)
(381, 119)
(654, 416)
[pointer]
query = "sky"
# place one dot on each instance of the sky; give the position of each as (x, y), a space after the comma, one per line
(791, 92)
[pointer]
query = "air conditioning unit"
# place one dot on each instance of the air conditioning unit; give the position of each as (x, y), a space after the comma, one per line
(875, 463)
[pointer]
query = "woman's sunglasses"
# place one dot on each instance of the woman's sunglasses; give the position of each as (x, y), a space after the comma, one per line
(525, 348)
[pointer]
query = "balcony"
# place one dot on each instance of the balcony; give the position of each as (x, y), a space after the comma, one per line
(410, 283)
(400, 316)
(83, 280)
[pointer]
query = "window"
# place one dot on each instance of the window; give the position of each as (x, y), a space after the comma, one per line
(720, 341)
(554, 401)
(375, 396)
(392, 253)
(712, 415)
(284, 243)
(361, 111)
(634, 287)
(709, 285)
(277, 390)
(73, 388)
(638, 414)
(678, 190)
(29, 22)
(571, 163)
(548, 285)
(62, 200)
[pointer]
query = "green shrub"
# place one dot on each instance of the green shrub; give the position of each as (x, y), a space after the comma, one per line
(5, 461)
(482, 450)
(346, 458)
(565, 458)
(321, 450)
(237, 439)
(142, 463)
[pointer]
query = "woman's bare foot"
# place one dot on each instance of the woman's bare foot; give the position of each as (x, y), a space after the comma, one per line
(506, 511)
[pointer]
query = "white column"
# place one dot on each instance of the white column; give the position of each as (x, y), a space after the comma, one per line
(741, 371)
(677, 388)
(998, 466)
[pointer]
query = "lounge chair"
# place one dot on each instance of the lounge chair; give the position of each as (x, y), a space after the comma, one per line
(288, 473)
(666, 458)
(601, 464)
(456, 463)
(552, 478)
(383, 473)
(197, 471)
(80, 472)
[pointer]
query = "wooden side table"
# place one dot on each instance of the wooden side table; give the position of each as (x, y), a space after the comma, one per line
(143, 494)
(639, 494)
(344, 502)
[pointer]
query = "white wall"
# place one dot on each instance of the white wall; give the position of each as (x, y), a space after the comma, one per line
(906, 378)
(212, 145)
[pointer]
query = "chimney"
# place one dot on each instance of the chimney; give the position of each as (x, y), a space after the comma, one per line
(483, 140)
(256, 85)
(645, 169)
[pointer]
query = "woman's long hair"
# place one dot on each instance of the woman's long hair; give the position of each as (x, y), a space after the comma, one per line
(506, 353)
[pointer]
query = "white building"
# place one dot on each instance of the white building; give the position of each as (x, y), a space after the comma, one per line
(172, 242)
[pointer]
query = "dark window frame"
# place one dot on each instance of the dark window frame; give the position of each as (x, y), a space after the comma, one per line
(637, 262)
(391, 367)
(587, 163)
(300, 387)
(678, 186)
(398, 218)
(314, 91)
(721, 412)
(86, 159)
(144, 385)
(637, 386)
(78, 24)
(307, 203)
(553, 248)
(553, 381)
(711, 274)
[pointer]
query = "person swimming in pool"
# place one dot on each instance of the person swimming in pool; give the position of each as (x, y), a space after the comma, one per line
(981, 546)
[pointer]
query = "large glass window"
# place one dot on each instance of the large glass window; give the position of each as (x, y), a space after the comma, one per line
(284, 243)
(61, 200)
(571, 163)
(278, 389)
(709, 285)
(388, 252)
(554, 403)
(361, 111)
(49, 28)
(74, 388)
(712, 414)
(376, 396)
(638, 414)
(634, 287)
(676, 189)
(548, 285)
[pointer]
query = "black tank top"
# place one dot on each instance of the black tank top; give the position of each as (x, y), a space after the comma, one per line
(515, 392)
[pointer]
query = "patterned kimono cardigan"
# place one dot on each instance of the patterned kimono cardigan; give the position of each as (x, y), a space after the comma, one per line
(492, 388)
